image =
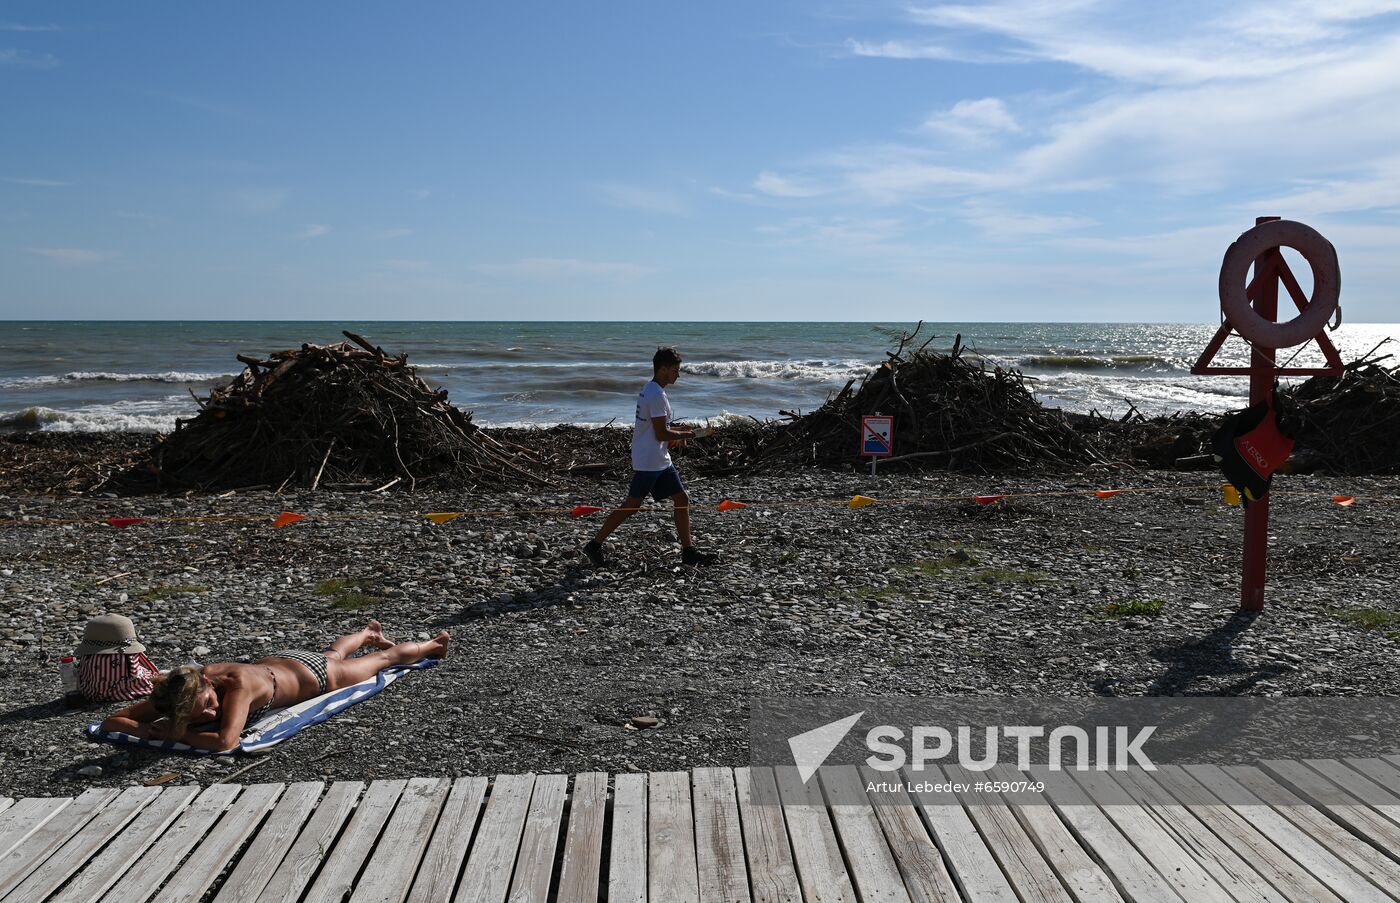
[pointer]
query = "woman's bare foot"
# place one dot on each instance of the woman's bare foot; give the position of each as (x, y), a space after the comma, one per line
(437, 646)
(374, 636)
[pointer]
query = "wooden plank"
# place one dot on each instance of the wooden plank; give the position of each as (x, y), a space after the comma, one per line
(971, 865)
(389, 875)
(719, 840)
(868, 857)
(671, 875)
(1230, 870)
(103, 871)
(27, 855)
(1164, 850)
(5, 803)
(1378, 770)
(162, 858)
(208, 860)
(1361, 856)
(919, 861)
(1339, 805)
(1132, 872)
(296, 869)
(581, 873)
(772, 873)
(27, 816)
(109, 820)
(534, 866)
(452, 837)
(1367, 792)
(486, 878)
(1034, 880)
(347, 857)
(1308, 871)
(815, 851)
(1081, 875)
(627, 865)
(260, 861)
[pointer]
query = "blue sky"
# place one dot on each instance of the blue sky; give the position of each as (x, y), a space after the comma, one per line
(1018, 160)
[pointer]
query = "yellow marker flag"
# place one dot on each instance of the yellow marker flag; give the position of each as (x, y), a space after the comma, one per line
(442, 517)
(285, 518)
(860, 501)
(1232, 495)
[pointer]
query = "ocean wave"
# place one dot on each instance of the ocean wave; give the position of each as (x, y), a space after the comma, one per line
(92, 420)
(1148, 362)
(170, 376)
(809, 369)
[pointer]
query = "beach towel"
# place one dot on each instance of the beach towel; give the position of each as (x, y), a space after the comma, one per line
(279, 724)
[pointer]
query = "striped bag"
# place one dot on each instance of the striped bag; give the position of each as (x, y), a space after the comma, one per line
(116, 677)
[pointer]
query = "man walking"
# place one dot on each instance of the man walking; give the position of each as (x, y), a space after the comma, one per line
(652, 471)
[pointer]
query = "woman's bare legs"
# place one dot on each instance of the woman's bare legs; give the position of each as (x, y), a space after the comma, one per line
(343, 672)
(369, 635)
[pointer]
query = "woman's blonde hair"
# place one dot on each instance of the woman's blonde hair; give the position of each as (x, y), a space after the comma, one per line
(173, 695)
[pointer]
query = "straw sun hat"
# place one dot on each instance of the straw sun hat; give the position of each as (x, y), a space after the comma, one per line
(108, 635)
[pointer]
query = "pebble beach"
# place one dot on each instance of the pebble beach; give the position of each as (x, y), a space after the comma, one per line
(645, 665)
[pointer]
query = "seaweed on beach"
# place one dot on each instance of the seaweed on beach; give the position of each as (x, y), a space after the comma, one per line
(1350, 424)
(953, 410)
(332, 415)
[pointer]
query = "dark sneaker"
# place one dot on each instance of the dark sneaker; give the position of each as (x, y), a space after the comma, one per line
(594, 553)
(693, 556)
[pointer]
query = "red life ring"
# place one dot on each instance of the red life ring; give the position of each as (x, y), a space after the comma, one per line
(1327, 284)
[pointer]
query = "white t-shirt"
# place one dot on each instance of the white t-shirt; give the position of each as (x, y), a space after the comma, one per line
(648, 452)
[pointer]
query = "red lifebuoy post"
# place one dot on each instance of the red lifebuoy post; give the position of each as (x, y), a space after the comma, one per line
(1252, 312)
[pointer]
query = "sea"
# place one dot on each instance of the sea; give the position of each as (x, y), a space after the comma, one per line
(140, 376)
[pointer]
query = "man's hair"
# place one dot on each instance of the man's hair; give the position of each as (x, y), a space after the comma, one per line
(665, 357)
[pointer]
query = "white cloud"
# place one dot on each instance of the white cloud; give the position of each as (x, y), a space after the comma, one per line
(899, 50)
(314, 230)
(1002, 224)
(563, 268)
(10, 56)
(420, 194)
(18, 26)
(777, 186)
(972, 120)
(647, 200)
(75, 257)
(38, 183)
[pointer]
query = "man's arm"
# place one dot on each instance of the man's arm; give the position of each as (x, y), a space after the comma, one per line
(666, 433)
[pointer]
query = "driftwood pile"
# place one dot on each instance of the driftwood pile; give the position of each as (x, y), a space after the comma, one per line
(343, 415)
(1350, 424)
(952, 411)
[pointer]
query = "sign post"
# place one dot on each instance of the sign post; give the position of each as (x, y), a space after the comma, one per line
(876, 438)
(1252, 311)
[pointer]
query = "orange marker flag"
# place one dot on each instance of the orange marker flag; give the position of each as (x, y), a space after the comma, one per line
(730, 505)
(1106, 493)
(860, 501)
(125, 521)
(285, 518)
(442, 517)
(1345, 501)
(988, 499)
(581, 510)
(1231, 494)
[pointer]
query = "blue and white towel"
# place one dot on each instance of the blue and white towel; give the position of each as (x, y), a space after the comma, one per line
(279, 724)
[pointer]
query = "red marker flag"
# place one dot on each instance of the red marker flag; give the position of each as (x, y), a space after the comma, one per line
(125, 521)
(728, 505)
(1344, 500)
(582, 510)
(286, 518)
(988, 499)
(1106, 493)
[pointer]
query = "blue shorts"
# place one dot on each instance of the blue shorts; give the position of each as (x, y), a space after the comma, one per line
(659, 484)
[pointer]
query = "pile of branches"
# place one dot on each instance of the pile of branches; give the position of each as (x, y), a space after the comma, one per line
(343, 415)
(1350, 424)
(952, 411)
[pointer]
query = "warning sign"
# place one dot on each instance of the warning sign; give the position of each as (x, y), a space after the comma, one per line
(876, 436)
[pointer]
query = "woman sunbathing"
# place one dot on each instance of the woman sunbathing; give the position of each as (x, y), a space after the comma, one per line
(236, 695)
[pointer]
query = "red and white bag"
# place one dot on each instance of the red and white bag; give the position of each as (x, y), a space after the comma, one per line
(116, 677)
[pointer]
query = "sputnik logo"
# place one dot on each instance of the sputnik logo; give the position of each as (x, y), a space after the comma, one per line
(810, 749)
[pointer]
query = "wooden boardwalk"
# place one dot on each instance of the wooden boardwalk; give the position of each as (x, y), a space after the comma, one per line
(1280, 831)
